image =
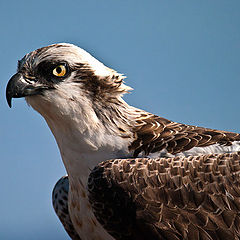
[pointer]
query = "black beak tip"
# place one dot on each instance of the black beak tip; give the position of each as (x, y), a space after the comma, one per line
(9, 96)
(9, 101)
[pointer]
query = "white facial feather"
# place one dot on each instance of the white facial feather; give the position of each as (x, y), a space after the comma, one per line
(83, 139)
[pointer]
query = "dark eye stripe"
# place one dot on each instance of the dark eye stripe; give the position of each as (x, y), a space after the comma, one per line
(45, 70)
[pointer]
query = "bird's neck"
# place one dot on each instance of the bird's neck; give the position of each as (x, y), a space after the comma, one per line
(87, 135)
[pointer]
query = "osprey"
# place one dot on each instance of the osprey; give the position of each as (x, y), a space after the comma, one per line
(131, 174)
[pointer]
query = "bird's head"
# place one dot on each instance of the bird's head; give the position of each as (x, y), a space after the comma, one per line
(64, 73)
(80, 99)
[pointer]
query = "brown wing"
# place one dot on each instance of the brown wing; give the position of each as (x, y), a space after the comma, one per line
(153, 134)
(172, 199)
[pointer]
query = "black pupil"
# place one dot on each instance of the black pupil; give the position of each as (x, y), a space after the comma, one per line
(58, 70)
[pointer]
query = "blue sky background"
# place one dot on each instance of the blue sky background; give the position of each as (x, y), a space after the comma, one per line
(181, 57)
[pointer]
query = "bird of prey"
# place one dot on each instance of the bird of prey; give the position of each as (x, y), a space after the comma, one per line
(130, 174)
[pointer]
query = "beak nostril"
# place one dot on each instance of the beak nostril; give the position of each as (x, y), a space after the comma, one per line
(30, 79)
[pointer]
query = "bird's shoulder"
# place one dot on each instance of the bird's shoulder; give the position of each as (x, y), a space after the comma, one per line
(153, 134)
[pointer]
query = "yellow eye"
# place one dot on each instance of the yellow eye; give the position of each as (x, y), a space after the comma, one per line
(60, 71)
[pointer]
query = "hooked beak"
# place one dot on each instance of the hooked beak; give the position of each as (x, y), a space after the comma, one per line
(18, 87)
